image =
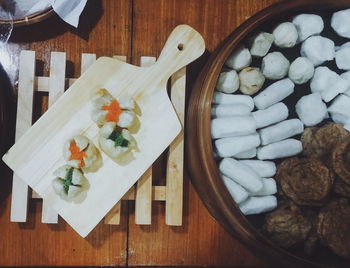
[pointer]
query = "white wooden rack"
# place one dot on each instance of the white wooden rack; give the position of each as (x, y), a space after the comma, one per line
(143, 191)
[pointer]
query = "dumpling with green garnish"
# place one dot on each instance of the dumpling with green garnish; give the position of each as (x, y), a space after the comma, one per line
(115, 141)
(69, 182)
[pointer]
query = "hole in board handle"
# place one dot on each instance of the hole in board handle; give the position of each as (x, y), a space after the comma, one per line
(180, 47)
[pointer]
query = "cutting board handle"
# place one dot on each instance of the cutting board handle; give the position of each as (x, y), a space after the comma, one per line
(183, 46)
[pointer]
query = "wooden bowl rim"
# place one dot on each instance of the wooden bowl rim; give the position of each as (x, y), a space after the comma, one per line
(30, 19)
(201, 161)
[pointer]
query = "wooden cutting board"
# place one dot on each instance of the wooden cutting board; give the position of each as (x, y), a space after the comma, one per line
(39, 151)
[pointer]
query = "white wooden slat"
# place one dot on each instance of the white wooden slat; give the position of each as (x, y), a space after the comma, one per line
(48, 215)
(87, 59)
(57, 76)
(130, 195)
(113, 216)
(19, 203)
(158, 194)
(143, 199)
(56, 89)
(41, 83)
(144, 193)
(174, 177)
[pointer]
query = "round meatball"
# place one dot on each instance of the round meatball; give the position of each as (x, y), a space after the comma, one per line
(319, 142)
(341, 188)
(286, 226)
(305, 181)
(251, 80)
(341, 160)
(301, 70)
(333, 227)
(285, 34)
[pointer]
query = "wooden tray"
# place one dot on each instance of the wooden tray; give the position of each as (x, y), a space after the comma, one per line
(202, 165)
(143, 192)
(43, 142)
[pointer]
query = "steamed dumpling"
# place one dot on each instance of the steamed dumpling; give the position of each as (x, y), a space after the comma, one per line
(69, 182)
(108, 109)
(80, 152)
(115, 141)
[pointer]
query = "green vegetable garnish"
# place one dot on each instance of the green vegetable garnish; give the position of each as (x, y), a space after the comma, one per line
(118, 139)
(68, 180)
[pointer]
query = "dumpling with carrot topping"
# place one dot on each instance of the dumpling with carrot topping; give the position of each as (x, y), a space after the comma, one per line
(80, 152)
(108, 109)
(115, 141)
(69, 182)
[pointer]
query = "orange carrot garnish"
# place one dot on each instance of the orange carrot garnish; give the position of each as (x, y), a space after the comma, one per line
(114, 111)
(76, 153)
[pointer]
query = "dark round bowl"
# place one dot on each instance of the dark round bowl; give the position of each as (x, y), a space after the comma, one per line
(202, 165)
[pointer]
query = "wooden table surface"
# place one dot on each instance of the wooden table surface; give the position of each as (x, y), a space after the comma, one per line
(134, 28)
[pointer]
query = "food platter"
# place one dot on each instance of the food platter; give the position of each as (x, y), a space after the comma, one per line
(47, 136)
(202, 163)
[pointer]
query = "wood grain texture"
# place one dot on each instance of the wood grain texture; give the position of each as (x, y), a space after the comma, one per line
(201, 240)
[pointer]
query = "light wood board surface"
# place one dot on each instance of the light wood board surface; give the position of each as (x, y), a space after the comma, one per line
(38, 153)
